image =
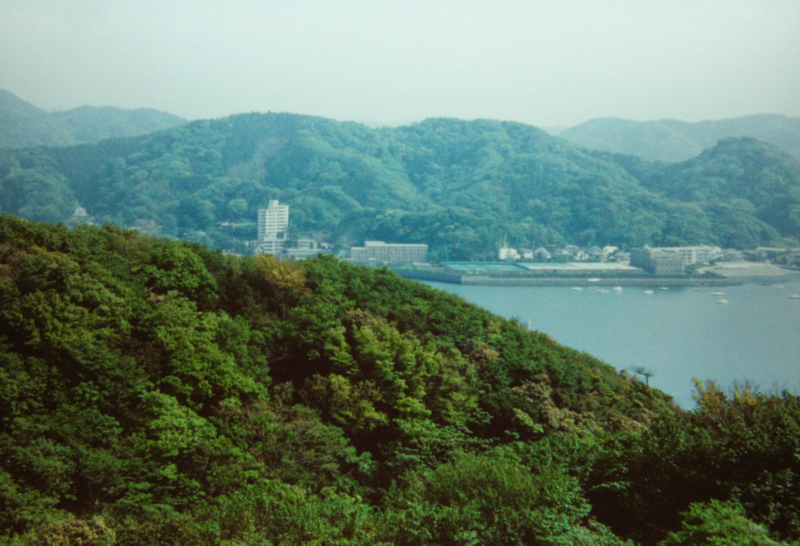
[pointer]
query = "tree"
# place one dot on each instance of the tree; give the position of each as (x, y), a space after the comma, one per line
(647, 373)
(718, 523)
(491, 499)
(281, 281)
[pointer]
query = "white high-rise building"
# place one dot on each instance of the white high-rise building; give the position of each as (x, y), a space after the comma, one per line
(273, 223)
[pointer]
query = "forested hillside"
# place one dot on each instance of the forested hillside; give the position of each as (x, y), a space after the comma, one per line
(157, 392)
(459, 186)
(672, 140)
(22, 124)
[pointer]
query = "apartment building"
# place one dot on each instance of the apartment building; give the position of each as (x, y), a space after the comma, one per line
(378, 252)
(273, 225)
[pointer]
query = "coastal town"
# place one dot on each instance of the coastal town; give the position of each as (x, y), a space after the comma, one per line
(568, 264)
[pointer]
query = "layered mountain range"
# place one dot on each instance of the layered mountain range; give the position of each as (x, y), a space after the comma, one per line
(156, 391)
(23, 124)
(462, 187)
(673, 140)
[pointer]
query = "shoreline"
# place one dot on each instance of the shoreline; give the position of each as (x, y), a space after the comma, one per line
(499, 280)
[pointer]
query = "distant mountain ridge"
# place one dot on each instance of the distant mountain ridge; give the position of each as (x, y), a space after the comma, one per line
(23, 124)
(672, 140)
(461, 187)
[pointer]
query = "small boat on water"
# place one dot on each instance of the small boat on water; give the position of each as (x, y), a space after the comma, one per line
(717, 293)
(663, 288)
(593, 279)
(617, 289)
(778, 286)
(577, 288)
(795, 296)
(604, 290)
(722, 301)
(648, 292)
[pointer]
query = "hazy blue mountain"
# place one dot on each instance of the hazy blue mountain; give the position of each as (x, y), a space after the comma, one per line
(22, 124)
(672, 140)
(462, 187)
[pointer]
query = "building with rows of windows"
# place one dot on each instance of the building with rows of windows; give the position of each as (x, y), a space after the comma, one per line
(378, 252)
(273, 225)
(695, 254)
(658, 261)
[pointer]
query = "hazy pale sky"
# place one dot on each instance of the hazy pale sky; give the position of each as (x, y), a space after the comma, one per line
(546, 63)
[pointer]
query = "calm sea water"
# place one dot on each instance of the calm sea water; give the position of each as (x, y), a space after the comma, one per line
(680, 333)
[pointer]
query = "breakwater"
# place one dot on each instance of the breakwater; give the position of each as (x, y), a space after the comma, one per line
(572, 280)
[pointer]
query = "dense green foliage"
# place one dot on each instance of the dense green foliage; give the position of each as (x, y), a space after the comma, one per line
(461, 187)
(718, 523)
(22, 124)
(157, 392)
(672, 140)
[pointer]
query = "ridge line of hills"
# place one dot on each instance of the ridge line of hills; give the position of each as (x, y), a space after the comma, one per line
(459, 186)
(672, 140)
(23, 124)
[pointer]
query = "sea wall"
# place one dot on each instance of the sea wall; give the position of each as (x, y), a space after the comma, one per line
(516, 280)
(433, 276)
(614, 281)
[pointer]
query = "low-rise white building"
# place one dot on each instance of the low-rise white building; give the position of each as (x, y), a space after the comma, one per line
(658, 261)
(270, 246)
(378, 252)
(508, 254)
(701, 254)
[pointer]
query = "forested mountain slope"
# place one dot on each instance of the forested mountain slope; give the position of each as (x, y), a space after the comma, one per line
(741, 179)
(22, 124)
(157, 392)
(459, 186)
(672, 140)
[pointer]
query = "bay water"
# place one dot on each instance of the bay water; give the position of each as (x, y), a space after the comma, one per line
(749, 332)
